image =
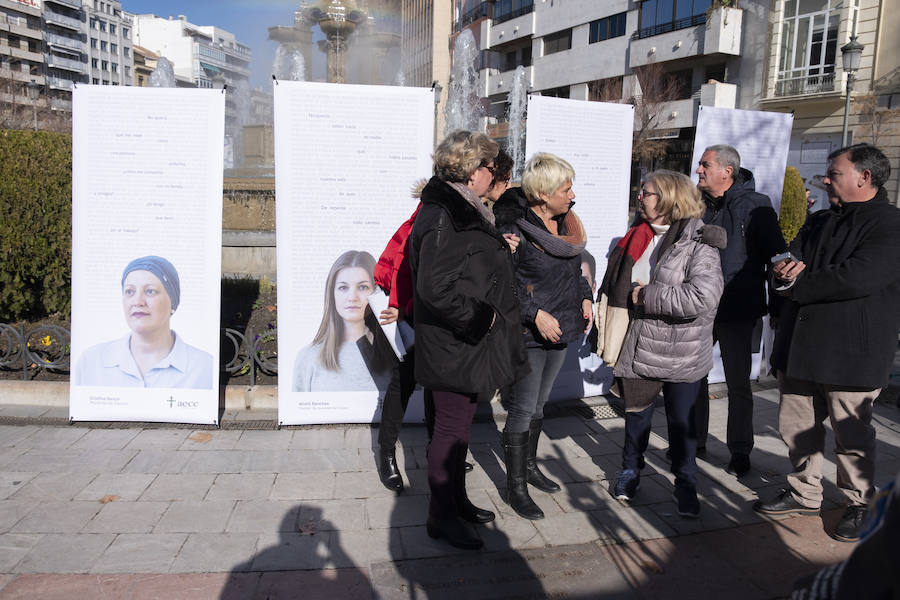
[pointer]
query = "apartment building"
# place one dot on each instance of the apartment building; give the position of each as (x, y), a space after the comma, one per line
(65, 50)
(110, 49)
(425, 47)
(21, 52)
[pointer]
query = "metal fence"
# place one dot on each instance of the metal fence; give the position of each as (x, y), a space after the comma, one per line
(47, 347)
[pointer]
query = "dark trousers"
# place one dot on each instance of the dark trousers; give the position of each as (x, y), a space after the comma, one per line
(529, 394)
(396, 399)
(446, 475)
(736, 345)
(679, 399)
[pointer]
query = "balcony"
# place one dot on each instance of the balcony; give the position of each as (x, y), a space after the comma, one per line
(723, 32)
(689, 37)
(723, 95)
(65, 42)
(19, 26)
(61, 104)
(501, 83)
(21, 76)
(807, 82)
(509, 16)
(59, 83)
(23, 54)
(76, 4)
(520, 28)
(63, 21)
(485, 9)
(58, 62)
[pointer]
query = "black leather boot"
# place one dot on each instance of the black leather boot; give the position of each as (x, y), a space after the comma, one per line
(535, 477)
(457, 532)
(515, 450)
(464, 507)
(388, 470)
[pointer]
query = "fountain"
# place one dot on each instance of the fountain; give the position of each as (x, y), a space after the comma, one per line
(337, 20)
(163, 75)
(518, 103)
(464, 108)
(289, 64)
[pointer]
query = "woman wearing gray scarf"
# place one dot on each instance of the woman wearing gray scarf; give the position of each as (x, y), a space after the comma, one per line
(555, 302)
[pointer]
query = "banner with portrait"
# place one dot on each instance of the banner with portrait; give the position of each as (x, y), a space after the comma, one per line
(346, 159)
(146, 253)
(599, 149)
(763, 140)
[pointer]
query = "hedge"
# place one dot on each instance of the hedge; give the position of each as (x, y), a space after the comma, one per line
(35, 224)
(792, 215)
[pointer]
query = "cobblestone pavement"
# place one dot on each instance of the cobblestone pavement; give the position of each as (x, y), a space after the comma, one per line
(174, 512)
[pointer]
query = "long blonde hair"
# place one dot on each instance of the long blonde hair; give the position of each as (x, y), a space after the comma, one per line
(679, 198)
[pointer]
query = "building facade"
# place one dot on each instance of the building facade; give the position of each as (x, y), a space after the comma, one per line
(425, 47)
(21, 57)
(65, 50)
(109, 43)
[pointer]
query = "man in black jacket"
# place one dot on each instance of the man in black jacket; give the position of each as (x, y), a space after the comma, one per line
(837, 337)
(753, 239)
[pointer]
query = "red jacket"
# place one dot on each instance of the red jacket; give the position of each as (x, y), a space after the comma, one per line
(392, 273)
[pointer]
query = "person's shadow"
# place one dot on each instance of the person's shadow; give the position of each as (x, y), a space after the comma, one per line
(307, 561)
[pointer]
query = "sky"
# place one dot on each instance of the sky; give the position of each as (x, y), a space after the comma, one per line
(248, 20)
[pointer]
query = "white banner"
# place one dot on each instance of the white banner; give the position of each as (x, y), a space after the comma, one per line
(146, 253)
(595, 138)
(763, 140)
(346, 157)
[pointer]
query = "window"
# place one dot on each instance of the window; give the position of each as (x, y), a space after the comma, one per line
(558, 42)
(126, 51)
(661, 16)
(127, 71)
(114, 67)
(125, 32)
(808, 46)
(106, 82)
(114, 48)
(95, 63)
(560, 92)
(93, 42)
(102, 25)
(104, 65)
(607, 28)
(104, 46)
(684, 81)
(504, 10)
(95, 24)
(112, 28)
(606, 90)
(95, 81)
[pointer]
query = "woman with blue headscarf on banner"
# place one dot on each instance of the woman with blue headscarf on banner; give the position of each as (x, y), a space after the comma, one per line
(152, 355)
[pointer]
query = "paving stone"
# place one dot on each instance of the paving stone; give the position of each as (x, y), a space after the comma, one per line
(179, 486)
(65, 553)
(416, 482)
(105, 439)
(587, 496)
(127, 486)
(400, 511)
(159, 439)
(57, 517)
(361, 438)
(216, 461)
(13, 510)
(568, 528)
(360, 484)
(562, 428)
(127, 517)
(263, 516)
(303, 486)
(50, 586)
(195, 516)
(346, 584)
(626, 523)
(12, 435)
(290, 551)
(329, 460)
(416, 544)
(13, 548)
(53, 438)
(241, 486)
(360, 548)
(10, 483)
(223, 439)
(264, 440)
(325, 515)
(318, 439)
(7, 455)
(544, 501)
(216, 552)
(140, 553)
(158, 461)
(506, 534)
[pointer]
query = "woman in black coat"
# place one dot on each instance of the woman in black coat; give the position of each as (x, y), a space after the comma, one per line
(556, 303)
(466, 319)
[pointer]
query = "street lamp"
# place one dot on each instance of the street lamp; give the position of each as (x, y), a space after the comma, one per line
(851, 52)
(33, 88)
(438, 89)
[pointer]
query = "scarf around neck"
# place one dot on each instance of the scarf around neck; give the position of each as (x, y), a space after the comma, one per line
(570, 244)
(470, 197)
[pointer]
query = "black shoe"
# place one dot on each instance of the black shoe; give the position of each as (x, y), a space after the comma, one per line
(850, 523)
(471, 513)
(738, 465)
(455, 531)
(515, 449)
(468, 466)
(686, 499)
(388, 470)
(783, 504)
(533, 473)
(701, 451)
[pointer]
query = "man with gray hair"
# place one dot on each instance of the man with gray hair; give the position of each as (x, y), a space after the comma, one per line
(754, 237)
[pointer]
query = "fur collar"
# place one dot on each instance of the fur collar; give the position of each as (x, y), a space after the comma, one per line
(461, 213)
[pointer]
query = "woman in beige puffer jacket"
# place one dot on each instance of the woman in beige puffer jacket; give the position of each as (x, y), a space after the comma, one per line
(676, 280)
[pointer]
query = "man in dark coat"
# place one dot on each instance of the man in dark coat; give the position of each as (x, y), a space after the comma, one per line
(837, 337)
(753, 239)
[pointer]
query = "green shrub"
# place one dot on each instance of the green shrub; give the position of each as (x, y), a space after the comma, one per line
(792, 215)
(35, 224)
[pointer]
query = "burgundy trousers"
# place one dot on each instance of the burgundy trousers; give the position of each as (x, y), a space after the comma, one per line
(453, 413)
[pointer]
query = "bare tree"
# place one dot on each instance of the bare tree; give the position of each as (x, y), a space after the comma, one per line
(17, 110)
(875, 122)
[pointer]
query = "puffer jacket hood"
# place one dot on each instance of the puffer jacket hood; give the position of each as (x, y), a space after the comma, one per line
(670, 335)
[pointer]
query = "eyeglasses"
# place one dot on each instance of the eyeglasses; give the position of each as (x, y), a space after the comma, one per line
(643, 193)
(491, 168)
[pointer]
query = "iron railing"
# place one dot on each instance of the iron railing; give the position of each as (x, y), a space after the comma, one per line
(485, 9)
(509, 16)
(684, 23)
(46, 347)
(813, 83)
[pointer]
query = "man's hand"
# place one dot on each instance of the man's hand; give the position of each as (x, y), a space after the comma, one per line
(788, 270)
(389, 315)
(513, 241)
(587, 309)
(548, 326)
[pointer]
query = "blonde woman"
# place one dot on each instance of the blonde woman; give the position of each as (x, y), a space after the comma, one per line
(659, 299)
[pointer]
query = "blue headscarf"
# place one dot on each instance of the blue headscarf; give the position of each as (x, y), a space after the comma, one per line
(164, 271)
